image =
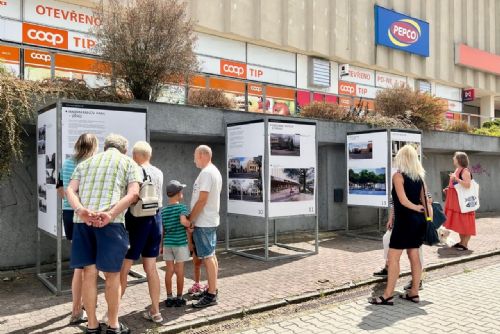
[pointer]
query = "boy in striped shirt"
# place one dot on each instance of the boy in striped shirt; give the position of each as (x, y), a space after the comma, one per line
(175, 241)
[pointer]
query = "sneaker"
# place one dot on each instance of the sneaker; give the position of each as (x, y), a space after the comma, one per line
(122, 329)
(381, 273)
(196, 288)
(79, 318)
(93, 330)
(179, 302)
(169, 302)
(408, 286)
(207, 300)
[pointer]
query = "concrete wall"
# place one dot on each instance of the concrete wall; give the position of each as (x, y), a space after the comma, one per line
(177, 130)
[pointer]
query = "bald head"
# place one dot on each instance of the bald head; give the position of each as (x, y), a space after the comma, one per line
(202, 156)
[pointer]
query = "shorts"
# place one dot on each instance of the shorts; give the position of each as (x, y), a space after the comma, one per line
(68, 223)
(176, 254)
(145, 236)
(103, 246)
(205, 239)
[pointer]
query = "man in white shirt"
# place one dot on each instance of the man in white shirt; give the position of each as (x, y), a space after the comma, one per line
(205, 205)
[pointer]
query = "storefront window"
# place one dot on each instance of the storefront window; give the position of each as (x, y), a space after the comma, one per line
(234, 90)
(303, 99)
(81, 68)
(281, 100)
(255, 98)
(9, 59)
(37, 65)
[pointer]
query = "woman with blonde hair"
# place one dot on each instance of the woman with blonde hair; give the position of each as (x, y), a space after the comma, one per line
(408, 193)
(462, 223)
(85, 147)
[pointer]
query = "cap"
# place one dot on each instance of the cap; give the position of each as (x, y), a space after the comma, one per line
(174, 187)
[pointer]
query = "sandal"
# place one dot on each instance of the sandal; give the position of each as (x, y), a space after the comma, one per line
(462, 248)
(414, 299)
(456, 245)
(381, 301)
(156, 318)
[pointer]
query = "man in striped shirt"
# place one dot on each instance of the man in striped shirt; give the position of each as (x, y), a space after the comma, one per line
(101, 189)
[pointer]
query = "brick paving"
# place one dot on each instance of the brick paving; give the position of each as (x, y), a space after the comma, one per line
(465, 303)
(28, 307)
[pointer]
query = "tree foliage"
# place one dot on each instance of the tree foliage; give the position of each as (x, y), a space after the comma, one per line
(19, 100)
(146, 43)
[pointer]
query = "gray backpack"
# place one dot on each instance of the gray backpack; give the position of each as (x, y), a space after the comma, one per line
(147, 205)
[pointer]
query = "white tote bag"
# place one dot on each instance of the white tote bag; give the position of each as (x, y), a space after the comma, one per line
(468, 198)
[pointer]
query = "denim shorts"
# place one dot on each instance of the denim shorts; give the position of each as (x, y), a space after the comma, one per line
(205, 239)
(145, 236)
(103, 246)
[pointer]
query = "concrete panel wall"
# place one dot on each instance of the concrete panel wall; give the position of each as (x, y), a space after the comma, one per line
(177, 130)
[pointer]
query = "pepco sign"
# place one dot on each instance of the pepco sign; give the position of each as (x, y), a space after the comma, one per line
(398, 31)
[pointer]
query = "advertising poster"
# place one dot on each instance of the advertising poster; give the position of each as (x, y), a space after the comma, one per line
(400, 139)
(367, 168)
(101, 121)
(47, 170)
(292, 169)
(245, 152)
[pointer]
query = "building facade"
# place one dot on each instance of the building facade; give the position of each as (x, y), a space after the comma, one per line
(275, 56)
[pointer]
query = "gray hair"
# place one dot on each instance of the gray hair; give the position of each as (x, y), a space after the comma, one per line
(142, 147)
(204, 149)
(116, 141)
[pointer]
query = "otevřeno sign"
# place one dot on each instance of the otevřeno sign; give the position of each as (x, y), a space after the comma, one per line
(398, 31)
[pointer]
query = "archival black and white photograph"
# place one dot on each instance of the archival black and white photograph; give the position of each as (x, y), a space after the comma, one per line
(42, 205)
(245, 190)
(50, 161)
(367, 181)
(41, 140)
(42, 191)
(285, 144)
(245, 167)
(292, 184)
(398, 144)
(50, 177)
(362, 150)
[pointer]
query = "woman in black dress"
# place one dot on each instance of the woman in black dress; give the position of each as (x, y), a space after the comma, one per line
(409, 223)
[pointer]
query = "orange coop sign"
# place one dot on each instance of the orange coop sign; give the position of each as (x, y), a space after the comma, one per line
(45, 36)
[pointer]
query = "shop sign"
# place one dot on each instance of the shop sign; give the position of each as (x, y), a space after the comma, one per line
(360, 75)
(387, 80)
(233, 69)
(57, 38)
(454, 106)
(402, 32)
(366, 91)
(61, 15)
(468, 95)
(449, 93)
(270, 75)
(10, 9)
(347, 88)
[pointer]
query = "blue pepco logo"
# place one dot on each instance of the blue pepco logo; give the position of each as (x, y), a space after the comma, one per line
(404, 32)
(399, 31)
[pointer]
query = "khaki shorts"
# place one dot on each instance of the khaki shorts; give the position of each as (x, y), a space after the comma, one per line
(176, 254)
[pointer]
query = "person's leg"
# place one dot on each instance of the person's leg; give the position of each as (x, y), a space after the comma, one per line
(127, 264)
(197, 269)
(89, 288)
(211, 266)
(179, 273)
(416, 271)
(465, 241)
(462, 239)
(393, 258)
(420, 256)
(76, 291)
(113, 295)
(169, 273)
(149, 265)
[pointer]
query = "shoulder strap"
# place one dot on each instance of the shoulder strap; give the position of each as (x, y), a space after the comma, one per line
(145, 175)
(460, 175)
(423, 198)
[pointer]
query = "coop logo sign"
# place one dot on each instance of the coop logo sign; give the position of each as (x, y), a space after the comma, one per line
(45, 36)
(233, 69)
(40, 56)
(398, 31)
(347, 88)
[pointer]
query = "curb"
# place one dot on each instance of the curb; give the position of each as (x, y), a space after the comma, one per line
(240, 313)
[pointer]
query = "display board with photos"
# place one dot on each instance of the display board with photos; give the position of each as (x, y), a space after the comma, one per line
(245, 158)
(402, 138)
(292, 167)
(76, 119)
(367, 167)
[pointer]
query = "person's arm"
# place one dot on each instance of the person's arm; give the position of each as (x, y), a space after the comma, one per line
(398, 183)
(390, 219)
(60, 186)
(466, 178)
(130, 198)
(185, 221)
(199, 205)
(71, 192)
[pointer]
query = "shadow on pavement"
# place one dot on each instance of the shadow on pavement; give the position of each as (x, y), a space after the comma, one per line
(447, 252)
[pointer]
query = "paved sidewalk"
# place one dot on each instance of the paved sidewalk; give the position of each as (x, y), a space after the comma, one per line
(465, 303)
(28, 307)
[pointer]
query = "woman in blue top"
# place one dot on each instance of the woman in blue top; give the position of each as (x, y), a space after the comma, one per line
(85, 147)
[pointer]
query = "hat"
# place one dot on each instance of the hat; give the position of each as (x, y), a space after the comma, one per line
(174, 187)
